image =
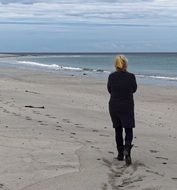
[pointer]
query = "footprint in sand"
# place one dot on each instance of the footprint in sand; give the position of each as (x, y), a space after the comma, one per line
(78, 125)
(151, 188)
(97, 148)
(66, 120)
(44, 124)
(162, 158)
(121, 176)
(105, 186)
(6, 111)
(7, 102)
(154, 151)
(50, 116)
(36, 112)
(2, 186)
(94, 130)
(153, 172)
(28, 118)
(15, 114)
(128, 181)
(102, 135)
(174, 178)
(136, 165)
(58, 129)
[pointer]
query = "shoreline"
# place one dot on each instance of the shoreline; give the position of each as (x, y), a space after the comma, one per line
(60, 65)
(85, 73)
(67, 138)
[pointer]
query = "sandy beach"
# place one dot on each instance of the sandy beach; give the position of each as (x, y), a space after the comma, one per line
(56, 134)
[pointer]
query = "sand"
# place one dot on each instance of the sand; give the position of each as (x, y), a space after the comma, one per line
(64, 140)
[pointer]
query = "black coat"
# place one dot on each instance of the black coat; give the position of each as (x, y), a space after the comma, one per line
(121, 86)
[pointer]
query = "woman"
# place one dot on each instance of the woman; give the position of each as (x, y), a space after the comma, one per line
(121, 86)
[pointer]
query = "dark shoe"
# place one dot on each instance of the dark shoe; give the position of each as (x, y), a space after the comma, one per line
(128, 160)
(127, 154)
(120, 156)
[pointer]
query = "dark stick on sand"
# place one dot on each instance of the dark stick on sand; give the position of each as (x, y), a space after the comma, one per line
(32, 92)
(40, 107)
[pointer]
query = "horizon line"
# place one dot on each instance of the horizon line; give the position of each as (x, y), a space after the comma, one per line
(160, 52)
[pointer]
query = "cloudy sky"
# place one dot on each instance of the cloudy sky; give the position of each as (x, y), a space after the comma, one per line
(88, 25)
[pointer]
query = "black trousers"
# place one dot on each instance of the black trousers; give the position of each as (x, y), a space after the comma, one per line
(119, 136)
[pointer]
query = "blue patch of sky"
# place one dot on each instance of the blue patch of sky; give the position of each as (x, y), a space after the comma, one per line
(88, 26)
(77, 38)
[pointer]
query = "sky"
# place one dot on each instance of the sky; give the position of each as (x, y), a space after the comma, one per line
(88, 26)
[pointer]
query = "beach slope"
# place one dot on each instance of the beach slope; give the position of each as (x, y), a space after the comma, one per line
(56, 134)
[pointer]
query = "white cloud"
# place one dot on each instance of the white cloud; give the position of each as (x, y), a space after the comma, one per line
(138, 12)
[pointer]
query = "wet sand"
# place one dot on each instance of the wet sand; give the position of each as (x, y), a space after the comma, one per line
(56, 134)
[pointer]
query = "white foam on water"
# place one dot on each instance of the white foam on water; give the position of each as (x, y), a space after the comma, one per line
(59, 67)
(164, 78)
(72, 68)
(52, 66)
(31, 63)
(157, 77)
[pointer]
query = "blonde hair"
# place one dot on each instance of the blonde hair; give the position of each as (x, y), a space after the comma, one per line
(121, 62)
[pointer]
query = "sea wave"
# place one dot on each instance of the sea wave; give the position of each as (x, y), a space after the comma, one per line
(31, 63)
(80, 69)
(169, 78)
(52, 66)
(60, 67)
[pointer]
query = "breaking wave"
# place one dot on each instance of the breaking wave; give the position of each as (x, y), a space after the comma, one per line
(60, 67)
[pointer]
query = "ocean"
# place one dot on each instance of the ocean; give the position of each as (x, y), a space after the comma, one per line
(149, 68)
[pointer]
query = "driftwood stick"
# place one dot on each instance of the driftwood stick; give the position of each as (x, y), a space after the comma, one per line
(32, 92)
(40, 107)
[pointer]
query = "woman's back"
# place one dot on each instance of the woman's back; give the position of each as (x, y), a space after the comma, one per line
(121, 86)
